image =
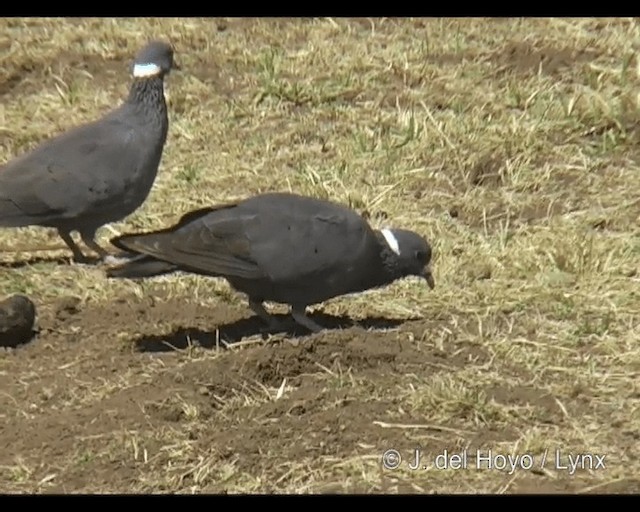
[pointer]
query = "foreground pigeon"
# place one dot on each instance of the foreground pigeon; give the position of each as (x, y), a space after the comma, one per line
(98, 172)
(280, 247)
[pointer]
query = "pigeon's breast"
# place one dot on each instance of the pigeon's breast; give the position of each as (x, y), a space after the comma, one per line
(142, 174)
(121, 187)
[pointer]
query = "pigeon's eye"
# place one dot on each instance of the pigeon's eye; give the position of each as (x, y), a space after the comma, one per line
(421, 255)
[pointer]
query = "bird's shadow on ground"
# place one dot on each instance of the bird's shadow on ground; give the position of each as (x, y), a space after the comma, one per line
(58, 260)
(89, 260)
(235, 332)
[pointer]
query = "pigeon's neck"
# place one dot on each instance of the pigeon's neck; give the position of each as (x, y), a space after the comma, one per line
(391, 267)
(146, 96)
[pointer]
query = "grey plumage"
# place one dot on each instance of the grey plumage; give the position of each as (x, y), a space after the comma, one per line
(280, 247)
(96, 173)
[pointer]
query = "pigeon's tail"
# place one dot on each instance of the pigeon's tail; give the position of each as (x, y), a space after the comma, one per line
(143, 266)
(134, 242)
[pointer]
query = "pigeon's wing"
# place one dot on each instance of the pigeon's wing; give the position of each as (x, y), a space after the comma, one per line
(276, 236)
(300, 238)
(208, 241)
(68, 175)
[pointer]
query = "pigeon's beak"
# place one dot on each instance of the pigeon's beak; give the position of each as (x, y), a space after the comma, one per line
(176, 67)
(428, 276)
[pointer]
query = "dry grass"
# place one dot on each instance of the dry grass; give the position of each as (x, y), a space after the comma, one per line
(511, 144)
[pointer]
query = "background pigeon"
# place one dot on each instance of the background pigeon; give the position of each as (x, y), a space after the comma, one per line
(280, 247)
(98, 172)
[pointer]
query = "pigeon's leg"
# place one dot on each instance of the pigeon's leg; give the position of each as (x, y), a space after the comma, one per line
(88, 237)
(77, 253)
(271, 321)
(300, 316)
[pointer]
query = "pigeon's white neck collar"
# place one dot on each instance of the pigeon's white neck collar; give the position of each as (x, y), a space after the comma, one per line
(146, 70)
(392, 241)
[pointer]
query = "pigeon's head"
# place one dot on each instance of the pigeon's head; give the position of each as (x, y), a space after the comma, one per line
(155, 59)
(412, 251)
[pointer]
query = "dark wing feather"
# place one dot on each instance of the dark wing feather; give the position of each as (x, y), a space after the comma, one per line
(304, 245)
(124, 241)
(209, 242)
(282, 237)
(66, 176)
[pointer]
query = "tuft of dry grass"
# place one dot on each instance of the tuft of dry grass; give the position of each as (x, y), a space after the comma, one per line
(512, 144)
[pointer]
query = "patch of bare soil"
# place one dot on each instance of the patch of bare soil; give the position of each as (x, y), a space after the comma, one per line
(89, 381)
(97, 401)
(31, 73)
(524, 58)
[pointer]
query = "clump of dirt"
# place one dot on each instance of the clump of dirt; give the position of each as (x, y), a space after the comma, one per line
(17, 318)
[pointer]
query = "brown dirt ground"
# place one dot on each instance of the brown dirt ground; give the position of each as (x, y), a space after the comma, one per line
(109, 393)
(85, 349)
